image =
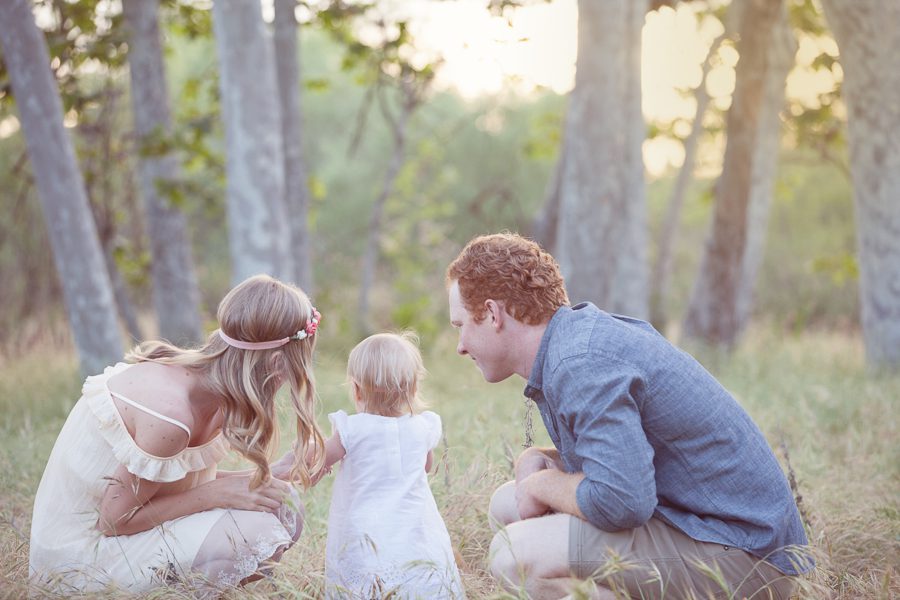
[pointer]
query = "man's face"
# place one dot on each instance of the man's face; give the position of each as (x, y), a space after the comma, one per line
(482, 342)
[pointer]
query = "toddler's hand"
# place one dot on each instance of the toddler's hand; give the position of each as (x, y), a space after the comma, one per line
(318, 476)
(281, 468)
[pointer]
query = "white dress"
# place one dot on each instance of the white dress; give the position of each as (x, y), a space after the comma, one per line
(211, 549)
(385, 533)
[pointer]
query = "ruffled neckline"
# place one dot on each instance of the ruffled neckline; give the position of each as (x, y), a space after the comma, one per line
(96, 394)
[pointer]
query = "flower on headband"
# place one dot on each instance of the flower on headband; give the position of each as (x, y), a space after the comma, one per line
(311, 326)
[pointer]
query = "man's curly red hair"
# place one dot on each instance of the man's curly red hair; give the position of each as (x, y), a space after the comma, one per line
(512, 270)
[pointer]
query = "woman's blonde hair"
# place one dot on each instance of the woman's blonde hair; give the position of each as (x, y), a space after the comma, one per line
(258, 309)
(387, 369)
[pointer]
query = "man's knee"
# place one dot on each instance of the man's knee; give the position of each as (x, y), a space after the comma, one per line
(503, 564)
(503, 510)
(531, 549)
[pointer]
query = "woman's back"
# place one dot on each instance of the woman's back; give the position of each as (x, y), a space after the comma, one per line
(93, 443)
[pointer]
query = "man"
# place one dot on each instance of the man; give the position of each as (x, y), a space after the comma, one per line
(659, 485)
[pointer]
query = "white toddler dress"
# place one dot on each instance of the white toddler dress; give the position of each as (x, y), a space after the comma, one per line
(385, 534)
(211, 549)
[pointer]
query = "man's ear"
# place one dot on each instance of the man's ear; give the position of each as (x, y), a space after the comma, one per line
(495, 312)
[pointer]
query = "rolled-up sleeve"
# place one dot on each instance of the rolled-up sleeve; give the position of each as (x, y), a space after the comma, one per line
(619, 488)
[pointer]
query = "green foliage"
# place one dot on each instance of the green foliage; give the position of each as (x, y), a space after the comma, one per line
(79, 35)
(841, 269)
(805, 15)
(187, 19)
(808, 274)
(471, 168)
(544, 135)
(820, 126)
(811, 228)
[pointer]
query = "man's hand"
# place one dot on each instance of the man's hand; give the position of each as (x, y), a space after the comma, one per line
(548, 490)
(527, 501)
(531, 461)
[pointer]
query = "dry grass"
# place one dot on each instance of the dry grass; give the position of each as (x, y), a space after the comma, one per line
(833, 424)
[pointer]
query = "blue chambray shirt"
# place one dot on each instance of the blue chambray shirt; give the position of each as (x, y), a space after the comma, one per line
(656, 435)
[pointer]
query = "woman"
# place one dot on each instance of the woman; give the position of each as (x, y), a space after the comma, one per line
(131, 495)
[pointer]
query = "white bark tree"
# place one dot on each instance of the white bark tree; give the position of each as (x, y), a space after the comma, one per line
(602, 229)
(258, 221)
(781, 59)
(722, 295)
(73, 235)
(868, 37)
(296, 189)
(668, 235)
(176, 296)
(410, 95)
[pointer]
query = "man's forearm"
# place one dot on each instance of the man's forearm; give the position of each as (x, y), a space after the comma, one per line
(555, 489)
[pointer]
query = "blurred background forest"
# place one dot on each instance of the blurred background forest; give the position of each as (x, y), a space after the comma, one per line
(406, 128)
(728, 170)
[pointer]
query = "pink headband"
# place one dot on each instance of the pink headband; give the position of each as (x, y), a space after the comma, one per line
(311, 326)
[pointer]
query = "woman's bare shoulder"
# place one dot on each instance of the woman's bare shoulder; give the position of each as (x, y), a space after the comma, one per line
(154, 401)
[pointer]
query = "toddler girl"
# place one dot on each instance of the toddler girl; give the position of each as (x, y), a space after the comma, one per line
(385, 535)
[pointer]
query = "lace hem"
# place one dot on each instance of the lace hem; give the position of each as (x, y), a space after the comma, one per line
(248, 562)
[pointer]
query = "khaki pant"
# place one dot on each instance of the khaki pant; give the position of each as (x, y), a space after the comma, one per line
(660, 562)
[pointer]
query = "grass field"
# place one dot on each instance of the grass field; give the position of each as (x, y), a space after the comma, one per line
(833, 425)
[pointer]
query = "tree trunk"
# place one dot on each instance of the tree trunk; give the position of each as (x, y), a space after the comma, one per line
(868, 36)
(781, 59)
(73, 234)
(120, 293)
(602, 230)
(662, 269)
(716, 313)
(258, 231)
(546, 223)
(296, 188)
(176, 296)
(99, 191)
(373, 238)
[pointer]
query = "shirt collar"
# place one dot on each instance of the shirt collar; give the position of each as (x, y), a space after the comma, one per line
(536, 380)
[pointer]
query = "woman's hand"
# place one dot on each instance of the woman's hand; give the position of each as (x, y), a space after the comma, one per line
(235, 492)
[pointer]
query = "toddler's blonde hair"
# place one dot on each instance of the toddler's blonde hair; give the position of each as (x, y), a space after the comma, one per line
(387, 368)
